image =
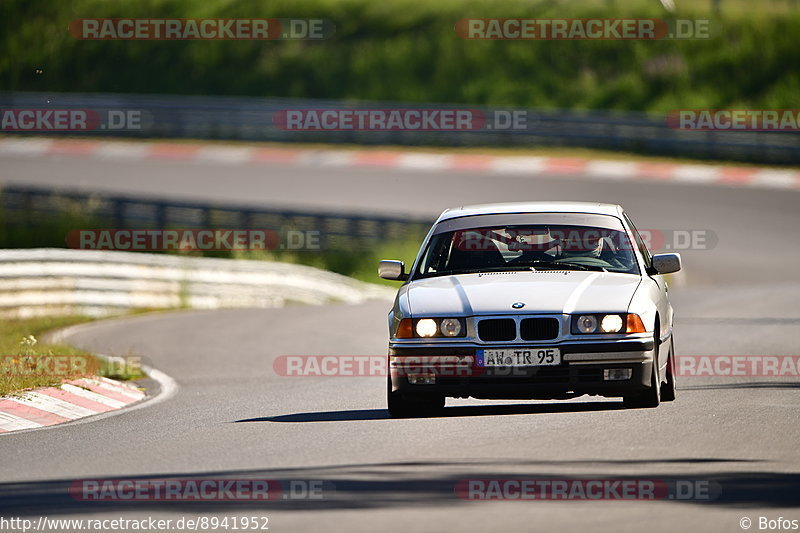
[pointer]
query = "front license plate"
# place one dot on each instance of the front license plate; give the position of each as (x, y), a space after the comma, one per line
(519, 357)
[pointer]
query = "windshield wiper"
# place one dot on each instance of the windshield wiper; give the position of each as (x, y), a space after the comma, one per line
(545, 264)
(509, 268)
(529, 266)
(578, 266)
(565, 266)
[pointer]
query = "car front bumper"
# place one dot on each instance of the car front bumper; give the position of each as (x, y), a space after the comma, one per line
(452, 372)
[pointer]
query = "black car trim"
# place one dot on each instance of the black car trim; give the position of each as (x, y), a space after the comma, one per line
(598, 347)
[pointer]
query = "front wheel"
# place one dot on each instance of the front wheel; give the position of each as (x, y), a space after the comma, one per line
(402, 407)
(652, 396)
(668, 390)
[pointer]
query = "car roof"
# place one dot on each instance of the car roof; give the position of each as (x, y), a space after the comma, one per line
(531, 207)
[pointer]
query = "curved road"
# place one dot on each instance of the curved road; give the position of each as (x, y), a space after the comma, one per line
(234, 417)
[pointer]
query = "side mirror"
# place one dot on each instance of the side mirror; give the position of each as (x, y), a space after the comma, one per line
(396, 270)
(666, 263)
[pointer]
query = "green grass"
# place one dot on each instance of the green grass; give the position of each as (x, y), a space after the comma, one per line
(403, 50)
(28, 363)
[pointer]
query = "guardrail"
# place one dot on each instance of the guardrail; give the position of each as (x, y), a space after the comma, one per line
(30, 207)
(253, 119)
(56, 281)
(53, 281)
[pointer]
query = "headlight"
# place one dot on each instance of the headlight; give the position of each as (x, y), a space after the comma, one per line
(427, 327)
(450, 327)
(431, 327)
(610, 323)
(586, 324)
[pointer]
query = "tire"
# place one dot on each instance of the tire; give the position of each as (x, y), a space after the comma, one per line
(652, 396)
(402, 407)
(668, 390)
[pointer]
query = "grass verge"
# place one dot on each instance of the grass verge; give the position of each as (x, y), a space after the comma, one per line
(27, 363)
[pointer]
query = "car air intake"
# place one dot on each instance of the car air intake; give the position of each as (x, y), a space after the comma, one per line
(497, 329)
(538, 329)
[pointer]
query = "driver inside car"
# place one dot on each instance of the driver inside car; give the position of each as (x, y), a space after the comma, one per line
(577, 245)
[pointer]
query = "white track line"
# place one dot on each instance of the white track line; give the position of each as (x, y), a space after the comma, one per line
(518, 165)
(612, 169)
(226, 155)
(93, 396)
(132, 394)
(696, 174)
(122, 150)
(423, 161)
(11, 422)
(52, 405)
(32, 147)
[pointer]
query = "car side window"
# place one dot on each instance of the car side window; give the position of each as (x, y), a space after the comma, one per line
(437, 254)
(639, 242)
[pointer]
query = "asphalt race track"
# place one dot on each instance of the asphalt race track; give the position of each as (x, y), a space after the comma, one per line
(234, 417)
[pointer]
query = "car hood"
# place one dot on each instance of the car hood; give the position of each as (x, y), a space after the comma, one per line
(541, 291)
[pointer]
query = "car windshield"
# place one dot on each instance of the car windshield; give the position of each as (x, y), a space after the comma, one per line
(563, 247)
